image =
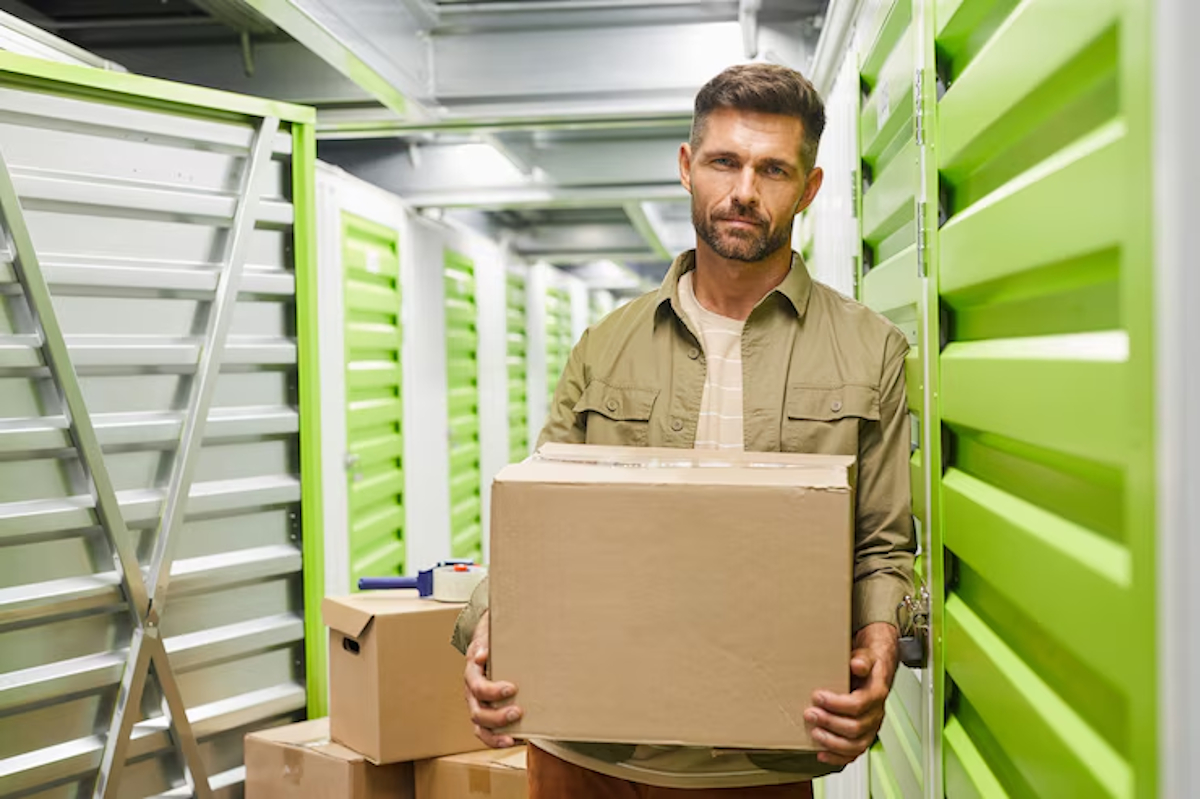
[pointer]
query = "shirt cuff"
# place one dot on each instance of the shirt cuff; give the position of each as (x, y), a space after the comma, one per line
(876, 598)
(468, 620)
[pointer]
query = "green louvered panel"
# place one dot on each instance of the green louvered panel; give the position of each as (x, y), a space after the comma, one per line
(558, 335)
(374, 410)
(1045, 393)
(892, 285)
(462, 369)
(518, 364)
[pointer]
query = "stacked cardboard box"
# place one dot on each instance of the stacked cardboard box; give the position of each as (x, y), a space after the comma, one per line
(396, 702)
(490, 774)
(300, 761)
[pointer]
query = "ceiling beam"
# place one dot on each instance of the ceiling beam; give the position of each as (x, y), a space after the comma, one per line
(645, 227)
(546, 197)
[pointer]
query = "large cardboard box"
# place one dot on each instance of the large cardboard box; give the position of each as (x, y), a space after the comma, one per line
(299, 761)
(492, 774)
(671, 596)
(395, 681)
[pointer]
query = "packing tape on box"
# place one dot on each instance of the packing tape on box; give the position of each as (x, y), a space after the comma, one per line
(456, 583)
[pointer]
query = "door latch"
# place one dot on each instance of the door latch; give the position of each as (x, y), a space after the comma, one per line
(912, 619)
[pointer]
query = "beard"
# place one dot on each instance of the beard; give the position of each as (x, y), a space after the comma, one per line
(738, 244)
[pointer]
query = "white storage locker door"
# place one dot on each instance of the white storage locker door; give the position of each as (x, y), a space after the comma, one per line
(426, 444)
(150, 385)
(537, 347)
(491, 303)
(580, 308)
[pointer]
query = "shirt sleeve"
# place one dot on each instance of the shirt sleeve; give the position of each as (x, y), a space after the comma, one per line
(563, 426)
(885, 541)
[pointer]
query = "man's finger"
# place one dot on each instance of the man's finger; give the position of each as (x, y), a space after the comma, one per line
(836, 744)
(838, 725)
(862, 662)
(491, 718)
(835, 760)
(484, 689)
(854, 704)
(493, 741)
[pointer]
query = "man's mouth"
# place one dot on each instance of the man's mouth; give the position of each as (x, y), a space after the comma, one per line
(741, 222)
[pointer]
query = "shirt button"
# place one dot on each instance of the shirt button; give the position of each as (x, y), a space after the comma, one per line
(677, 425)
(612, 405)
(693, 353)
(837, 405)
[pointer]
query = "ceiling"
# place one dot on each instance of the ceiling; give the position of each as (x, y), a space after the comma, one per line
(554, 124)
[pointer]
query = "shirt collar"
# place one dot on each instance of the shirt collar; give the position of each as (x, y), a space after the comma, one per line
(795, 288)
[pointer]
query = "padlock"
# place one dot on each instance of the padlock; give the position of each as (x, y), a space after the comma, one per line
(912, 619)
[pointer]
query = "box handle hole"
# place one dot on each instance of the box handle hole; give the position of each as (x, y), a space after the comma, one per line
(350, 645)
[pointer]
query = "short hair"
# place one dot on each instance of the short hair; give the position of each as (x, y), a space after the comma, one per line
(767, 89)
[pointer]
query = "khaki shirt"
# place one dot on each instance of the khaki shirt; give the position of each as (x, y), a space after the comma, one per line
(821, 374)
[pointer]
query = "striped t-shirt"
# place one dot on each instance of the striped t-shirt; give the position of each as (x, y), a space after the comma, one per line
(720, 422)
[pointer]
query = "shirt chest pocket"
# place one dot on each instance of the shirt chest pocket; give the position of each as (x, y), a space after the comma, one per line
(827, 420)
(616, 416)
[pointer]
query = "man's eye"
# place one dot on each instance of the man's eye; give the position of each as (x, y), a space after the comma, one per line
(776, 171)
(723, 161)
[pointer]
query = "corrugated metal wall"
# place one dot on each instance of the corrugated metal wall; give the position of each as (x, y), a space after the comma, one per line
(891, 284)
(1045, 275)
(131, 214)
(1009, 236)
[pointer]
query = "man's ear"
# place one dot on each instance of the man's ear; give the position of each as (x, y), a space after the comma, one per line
(812, 185)
(685, 166)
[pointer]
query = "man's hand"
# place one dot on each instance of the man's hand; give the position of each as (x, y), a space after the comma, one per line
(846, 724)
(482, 692)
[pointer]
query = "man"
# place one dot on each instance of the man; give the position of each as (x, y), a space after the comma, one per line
(740, 349)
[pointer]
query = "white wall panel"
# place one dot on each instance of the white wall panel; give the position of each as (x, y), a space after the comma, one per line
(426, 444)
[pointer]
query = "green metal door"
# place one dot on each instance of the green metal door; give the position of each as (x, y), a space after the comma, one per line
(462, 370)
(558, 336)
(894, 282)
(1043, 153)
(374, 405)
(517, 369)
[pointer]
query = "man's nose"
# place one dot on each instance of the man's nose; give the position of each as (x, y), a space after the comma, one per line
(745, 190)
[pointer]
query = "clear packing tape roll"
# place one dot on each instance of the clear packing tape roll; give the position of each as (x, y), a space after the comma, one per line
(456, 583)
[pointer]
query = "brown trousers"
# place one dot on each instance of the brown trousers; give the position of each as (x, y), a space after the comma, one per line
(553, 778)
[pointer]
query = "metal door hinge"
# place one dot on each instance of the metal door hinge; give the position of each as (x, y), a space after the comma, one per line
(912, 618)
(854, 193)
(919, 105)
(922, 240)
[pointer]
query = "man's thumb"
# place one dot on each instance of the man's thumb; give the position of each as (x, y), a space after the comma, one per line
(861, 664)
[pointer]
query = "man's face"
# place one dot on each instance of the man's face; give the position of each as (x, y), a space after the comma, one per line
(747, 182)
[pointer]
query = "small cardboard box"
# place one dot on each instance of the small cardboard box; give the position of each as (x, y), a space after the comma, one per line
(299, 761)
(494, 774)
(395, 680)
(672, 596)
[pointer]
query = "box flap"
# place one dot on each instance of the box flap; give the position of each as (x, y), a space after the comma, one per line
(687, 458)
(508, 759)
(300, 734)
(340, 614)
(584, 465)
(351, 615)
